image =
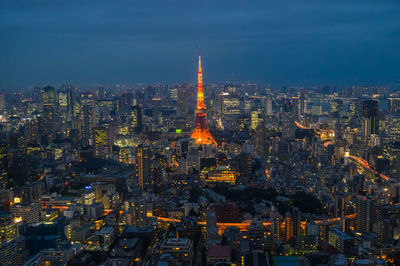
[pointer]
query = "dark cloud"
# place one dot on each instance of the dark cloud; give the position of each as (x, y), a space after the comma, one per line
(286, 42)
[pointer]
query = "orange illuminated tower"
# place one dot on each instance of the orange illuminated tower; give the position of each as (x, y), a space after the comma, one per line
(201, 134)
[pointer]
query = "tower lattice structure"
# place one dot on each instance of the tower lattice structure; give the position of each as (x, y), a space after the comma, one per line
(201, 134)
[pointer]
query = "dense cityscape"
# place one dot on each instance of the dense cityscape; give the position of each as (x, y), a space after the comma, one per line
(193, 174)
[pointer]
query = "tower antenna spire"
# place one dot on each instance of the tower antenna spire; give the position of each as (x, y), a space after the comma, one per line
(201, 133)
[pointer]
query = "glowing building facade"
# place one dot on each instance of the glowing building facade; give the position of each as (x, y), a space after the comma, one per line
(222, 174)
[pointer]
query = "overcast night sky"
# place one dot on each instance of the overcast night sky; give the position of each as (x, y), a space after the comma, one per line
(285, 42)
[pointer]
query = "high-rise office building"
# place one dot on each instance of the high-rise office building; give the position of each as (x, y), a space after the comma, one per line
(336, 108)
(14, 252)
(48, 112)
(49, 119)
(136, 119)
(182, 107)
(288, 228)
(255, 120)
(268, 106)
(355, 108)
(340, 204)
(103, 141)
(260, 139)
(31, 192)
(156, 106)
(2, 102)
(340, 240)
(296, 223)
(230, 105)
(291, 226)
(316, 110)
(370, 114)
(365, 213)
(302, 104)
(144, 167)
(8, 227)
(62, 98)
(45, 235)
(18, 170)
(28, 212)
(394, 103)
(66, 103)
(3, 160)
(49, 95)
(87, 117)
(139, 211)
(230, 110)
(126, 101)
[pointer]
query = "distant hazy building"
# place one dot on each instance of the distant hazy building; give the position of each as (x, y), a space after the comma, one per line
(2, 102)
(316, 110)
(88, 121)
(268, 106)
(182, 106)
(302, 104)
(255, 119)
(49, 95)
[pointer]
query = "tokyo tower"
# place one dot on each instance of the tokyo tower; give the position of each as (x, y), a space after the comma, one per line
(201, 134)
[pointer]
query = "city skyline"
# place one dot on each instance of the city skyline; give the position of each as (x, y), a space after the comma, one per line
(120, 144)
(282, 44)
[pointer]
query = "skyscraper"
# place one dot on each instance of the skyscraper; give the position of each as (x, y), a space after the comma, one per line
(260, 138)
(49, 120)
(103, 140)
(3, 160)
(2, 102)
(336, 108)
(139, 211)
(268, 107)
(201, 134)
(370, 113)
(144, 167)
(302, 106)
(49, 95)
(48, 111)
(88, 117)
(136, 118)
(31, 192)
(230, 110)
(254, 120)
(365, 212)
(182, 107)
(340, 204)
(66, 102)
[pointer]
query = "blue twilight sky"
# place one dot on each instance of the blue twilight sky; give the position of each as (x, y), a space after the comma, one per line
(282, 42)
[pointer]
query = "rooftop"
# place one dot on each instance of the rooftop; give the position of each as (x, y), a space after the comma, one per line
(215, 251)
